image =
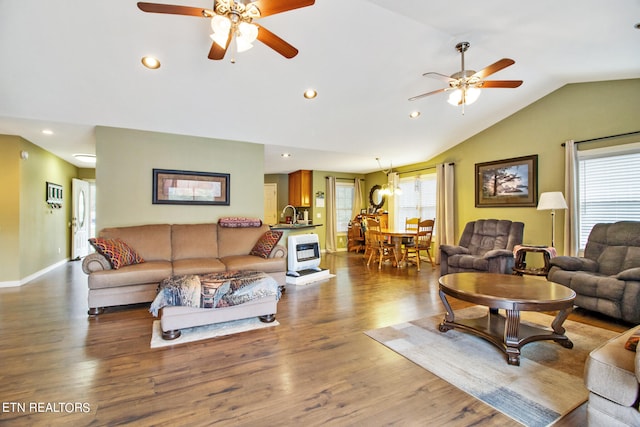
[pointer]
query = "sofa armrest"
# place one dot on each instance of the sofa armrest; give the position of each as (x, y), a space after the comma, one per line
(278, 251)
(629, 274)
(454, 250)
(497, 253)
(571, 263)
(95, 262)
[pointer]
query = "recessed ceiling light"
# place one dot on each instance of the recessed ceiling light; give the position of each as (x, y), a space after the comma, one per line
(86, 158)
(47, 131)
(414, 114)
(310, 93)
(150, 62)
(285, 155)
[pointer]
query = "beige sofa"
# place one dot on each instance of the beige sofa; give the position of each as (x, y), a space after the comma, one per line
(171, 250)
(612, 375)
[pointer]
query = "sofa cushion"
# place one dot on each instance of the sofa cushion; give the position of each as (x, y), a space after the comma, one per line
(266, 243)
(190, 241)
(117, 252)
(610, 371)
(147, 272)
(238, 241)
(197, 266)
(251, 262)
(152, 242)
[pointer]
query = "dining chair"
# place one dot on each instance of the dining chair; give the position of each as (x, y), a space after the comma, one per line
(377, 245)
(422, 242)
(411, 225)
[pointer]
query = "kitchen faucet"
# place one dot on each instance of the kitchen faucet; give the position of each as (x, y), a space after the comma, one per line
(295, 214)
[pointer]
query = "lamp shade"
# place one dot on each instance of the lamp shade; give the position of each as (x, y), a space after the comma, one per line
(551, 200)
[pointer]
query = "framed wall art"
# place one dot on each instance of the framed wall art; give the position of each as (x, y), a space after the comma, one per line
(508, 183)
(176, 187)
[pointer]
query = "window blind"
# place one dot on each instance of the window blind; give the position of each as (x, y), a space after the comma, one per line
(608, 187)
(418, 198)
(344, 205)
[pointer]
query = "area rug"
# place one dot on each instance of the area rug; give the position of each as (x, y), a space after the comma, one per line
(208, 331)
(547, 385)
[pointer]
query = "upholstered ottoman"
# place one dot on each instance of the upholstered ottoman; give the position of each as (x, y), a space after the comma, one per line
(195, 300)
(612, 375)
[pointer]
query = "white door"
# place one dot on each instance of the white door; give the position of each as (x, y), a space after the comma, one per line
(271, 203)
(79, 218)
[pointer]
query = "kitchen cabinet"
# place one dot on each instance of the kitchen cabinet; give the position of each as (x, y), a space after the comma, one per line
(300, 188)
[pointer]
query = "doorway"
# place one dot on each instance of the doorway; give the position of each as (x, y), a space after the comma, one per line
(270, 203)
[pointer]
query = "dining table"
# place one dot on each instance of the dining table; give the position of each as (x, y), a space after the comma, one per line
(396, 237)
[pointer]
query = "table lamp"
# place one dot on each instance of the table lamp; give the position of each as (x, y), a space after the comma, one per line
(552, 200)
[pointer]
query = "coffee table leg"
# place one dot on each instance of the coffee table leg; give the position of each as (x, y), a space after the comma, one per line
(449, 317)
(511, 340)
(559, 329)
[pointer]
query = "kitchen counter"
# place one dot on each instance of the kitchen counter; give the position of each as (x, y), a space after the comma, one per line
(294, 226)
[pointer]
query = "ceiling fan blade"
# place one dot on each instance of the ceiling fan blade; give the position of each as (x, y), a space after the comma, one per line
(271, 7)
(276, 43)
(218, 52)
(494, 68)
(171, 9)
(438, 76)
(413, 98)
(500, 83)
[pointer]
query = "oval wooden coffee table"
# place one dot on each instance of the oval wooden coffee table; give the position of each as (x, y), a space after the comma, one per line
(513, 294)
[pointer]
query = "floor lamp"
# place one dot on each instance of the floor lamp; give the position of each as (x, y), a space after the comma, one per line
(551, 201)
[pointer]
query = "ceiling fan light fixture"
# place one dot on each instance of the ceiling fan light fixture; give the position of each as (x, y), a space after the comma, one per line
(221, 27)
(464, 96)
(246, 34)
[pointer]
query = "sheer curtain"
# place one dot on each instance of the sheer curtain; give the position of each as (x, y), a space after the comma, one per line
(445, 214)
(330, 236)
(357, 198)
(571, 223)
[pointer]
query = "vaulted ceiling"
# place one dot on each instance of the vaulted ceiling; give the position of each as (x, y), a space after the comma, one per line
(70, 66)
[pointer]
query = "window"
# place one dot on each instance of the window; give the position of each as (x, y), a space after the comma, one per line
(344, 205)
(608, 186)
(418, 198)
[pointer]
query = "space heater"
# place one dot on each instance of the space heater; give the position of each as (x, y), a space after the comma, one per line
(303, 253)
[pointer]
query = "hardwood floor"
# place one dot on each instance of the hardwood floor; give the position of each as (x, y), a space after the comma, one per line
(317, 367)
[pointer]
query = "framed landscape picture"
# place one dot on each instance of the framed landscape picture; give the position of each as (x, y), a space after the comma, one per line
(190, 188)
(508, 183)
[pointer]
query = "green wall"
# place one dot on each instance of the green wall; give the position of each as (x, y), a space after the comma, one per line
(126, 159)
(577, 111)
(33, 236)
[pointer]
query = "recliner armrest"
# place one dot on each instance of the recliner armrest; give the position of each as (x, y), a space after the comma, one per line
(571, 263)
(496, 253)
(629, 274)
(454, 250)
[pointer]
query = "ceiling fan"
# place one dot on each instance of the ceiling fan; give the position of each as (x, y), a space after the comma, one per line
(466, 84)
(232, 22)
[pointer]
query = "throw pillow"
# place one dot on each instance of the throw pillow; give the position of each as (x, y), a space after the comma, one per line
(116, 251)
(632, 342)
(266, 243)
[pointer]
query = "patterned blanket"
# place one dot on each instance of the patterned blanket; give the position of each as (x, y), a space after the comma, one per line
(214, 290)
